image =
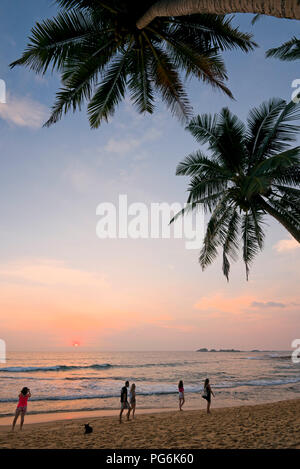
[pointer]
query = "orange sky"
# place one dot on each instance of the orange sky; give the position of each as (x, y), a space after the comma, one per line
(47, 304)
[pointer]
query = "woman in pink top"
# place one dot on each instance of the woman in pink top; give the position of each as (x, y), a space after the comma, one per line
(21, 407)
(181, 394)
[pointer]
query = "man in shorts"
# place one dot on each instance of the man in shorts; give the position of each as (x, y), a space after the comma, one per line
(124, 400)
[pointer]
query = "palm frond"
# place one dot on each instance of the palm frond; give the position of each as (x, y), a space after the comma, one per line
(284, 208)
(197, 164)
(290, 176)
(86, 4)
(199, 187)
(251, 243)
(256, 18)
(204, 63)
(275, 164)
(168, 82)
(281, 132)
(215, 29)
(260, 122)
(54, 40)
(231, 242)
(139, 83)
(258, 223)
(288, 51)
(205, 128)
(215, 232)
(79, 81)
(110, 92)
(230, 145)
(289, 191)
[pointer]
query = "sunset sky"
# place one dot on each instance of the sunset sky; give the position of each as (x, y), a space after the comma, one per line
(60, 284)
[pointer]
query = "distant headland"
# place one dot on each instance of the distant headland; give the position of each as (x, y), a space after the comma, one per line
(233, 350)
(221, 350)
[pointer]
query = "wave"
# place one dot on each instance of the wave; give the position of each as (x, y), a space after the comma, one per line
(270, 356)
(167, 391)
(33, 369)
(259, 382)
(28, 377)
(76, 397)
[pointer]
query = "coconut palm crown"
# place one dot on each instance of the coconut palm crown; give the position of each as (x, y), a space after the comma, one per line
(100, 53)
(251, 171)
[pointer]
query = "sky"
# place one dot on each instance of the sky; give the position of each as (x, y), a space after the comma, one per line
(60, 283)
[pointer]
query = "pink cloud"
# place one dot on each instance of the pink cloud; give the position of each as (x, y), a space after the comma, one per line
(286, 245)
(23, 112)
(220, 302)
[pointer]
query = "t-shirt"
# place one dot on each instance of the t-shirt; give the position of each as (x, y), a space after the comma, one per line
(23, 400)
(181, 389)
(124, 394)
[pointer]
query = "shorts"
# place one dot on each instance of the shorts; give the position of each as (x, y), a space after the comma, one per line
(207, 398)
(125, 405)
(181, 395)
(23, 410)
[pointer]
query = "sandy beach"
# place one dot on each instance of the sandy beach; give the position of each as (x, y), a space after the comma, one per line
(272, 425)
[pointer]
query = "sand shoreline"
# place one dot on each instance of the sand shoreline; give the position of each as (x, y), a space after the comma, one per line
(47, 417)
(271, 425)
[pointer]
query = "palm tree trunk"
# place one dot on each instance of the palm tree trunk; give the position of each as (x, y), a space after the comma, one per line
(271, 211)
(278, 8)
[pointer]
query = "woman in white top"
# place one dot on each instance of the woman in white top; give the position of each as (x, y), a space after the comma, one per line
(132, 401)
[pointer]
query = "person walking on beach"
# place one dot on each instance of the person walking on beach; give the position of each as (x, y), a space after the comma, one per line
(207, 394)
(21, 407)
(124, 401)
(132, 401)
(181, 394)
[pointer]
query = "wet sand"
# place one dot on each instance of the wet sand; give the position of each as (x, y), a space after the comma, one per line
(271, 425)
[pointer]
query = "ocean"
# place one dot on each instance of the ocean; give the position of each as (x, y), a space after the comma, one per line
(83, 381)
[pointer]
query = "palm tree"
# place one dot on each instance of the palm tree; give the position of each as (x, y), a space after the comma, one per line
(161, 8)
(252, 171)
(290, 50)
(99, 53)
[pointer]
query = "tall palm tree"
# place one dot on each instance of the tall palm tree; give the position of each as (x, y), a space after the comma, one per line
(289, 50)
(278, 8)
(252, 171)
(99, 53)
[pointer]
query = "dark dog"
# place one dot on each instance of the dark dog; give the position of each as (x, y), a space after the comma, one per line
(88, 429)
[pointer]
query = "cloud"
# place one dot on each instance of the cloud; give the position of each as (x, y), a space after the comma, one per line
(238, 305)
(82, 178)
(23, 112)
(121, 146)
(49, 272)
(218, 302)
(286, 245)
(129, 144)
(267, 304)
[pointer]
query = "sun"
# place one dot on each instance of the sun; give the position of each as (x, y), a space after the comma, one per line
(76, 344)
